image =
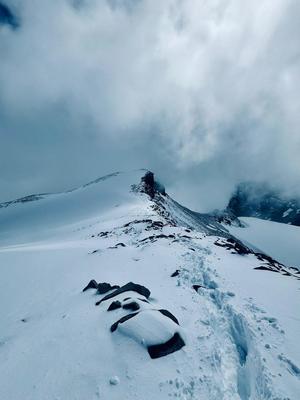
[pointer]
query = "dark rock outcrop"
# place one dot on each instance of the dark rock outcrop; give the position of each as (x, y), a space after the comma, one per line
(154, 238)
(129, 287)
(101, 287)
(234, 245)
(91, 285)
(150, 186)
(265, 268)
(105, 287)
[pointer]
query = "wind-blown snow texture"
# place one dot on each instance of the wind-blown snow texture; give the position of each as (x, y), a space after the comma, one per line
(240, 326)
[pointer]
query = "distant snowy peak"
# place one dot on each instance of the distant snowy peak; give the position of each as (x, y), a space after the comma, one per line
(260, 201)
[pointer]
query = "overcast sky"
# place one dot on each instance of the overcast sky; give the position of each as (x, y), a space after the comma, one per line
(203, 92)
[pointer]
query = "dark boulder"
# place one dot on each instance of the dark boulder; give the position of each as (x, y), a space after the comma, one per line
(163, 349)
(105, 287)
(196, 287)
(132, 306)
(103, 234)
(168, 314)
(129, 287)
(114, 305)
(121, 320)
(117, 246)
(91, 285)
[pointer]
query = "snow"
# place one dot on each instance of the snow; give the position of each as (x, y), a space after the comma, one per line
(287, 212)
(114, 380)
(272, 304)
(241, 327)
(45, 217)
(148, 328)
(281, 241)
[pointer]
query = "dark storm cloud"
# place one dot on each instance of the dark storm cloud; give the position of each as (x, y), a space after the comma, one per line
(204, 93)
(7, 17)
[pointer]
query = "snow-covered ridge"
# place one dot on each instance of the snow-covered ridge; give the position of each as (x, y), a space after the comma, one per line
(35, 197)
(51, 210)
(41, 215)
(239, 324)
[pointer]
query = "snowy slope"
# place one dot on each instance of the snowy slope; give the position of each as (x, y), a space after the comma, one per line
(38, 216)
(279, 240)
(240, 325)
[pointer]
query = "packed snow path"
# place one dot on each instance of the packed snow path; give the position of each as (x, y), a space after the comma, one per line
(241, 326)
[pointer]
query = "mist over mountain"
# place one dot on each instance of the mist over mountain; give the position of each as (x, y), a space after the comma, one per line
(149, 200)
(206, 94)
(262, 201)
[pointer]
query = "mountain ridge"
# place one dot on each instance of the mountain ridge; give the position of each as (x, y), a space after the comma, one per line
(147, 262)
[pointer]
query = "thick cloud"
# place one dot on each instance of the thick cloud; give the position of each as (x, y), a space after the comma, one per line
(7, 17)
(205, 93)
